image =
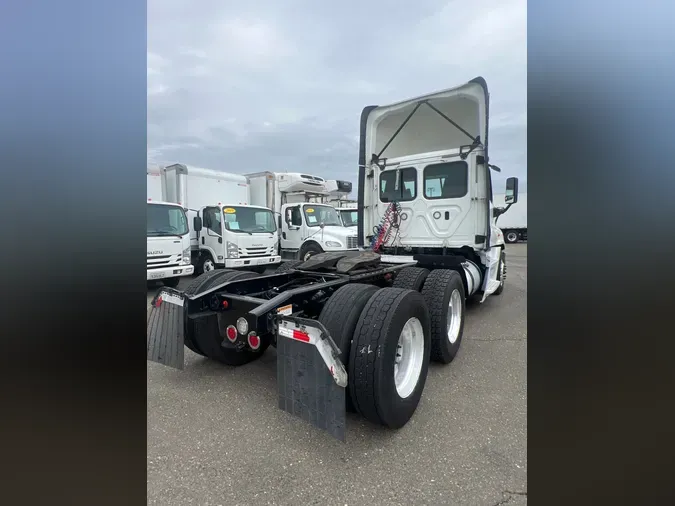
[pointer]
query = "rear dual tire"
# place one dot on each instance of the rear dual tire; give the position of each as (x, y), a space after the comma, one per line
(385, 385)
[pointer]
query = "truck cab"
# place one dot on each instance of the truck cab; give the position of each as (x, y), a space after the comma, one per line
(168, 243)
(236, 237)
(311, 228)
(425, 184)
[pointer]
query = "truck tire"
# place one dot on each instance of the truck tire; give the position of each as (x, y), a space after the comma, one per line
(214, 350)
(171, 282)
(288, 266)
(308, 250)
(340, 315)
(411, 278)
(389, 357)
(510, 236)
(444, 294)
(501, 274)
(205, 263)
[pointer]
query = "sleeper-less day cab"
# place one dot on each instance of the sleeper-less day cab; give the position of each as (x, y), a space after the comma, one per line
(429, 243)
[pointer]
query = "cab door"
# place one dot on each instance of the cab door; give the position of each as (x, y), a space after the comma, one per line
(211, 237)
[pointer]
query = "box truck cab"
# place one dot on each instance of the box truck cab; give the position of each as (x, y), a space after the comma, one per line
(308, 226)
(349, 215)
(168, 235)
(227, 232)
(168, 243)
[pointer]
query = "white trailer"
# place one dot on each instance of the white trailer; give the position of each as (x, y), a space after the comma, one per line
(168, 236)
(513, 223)
(228, 232)
(307, 225)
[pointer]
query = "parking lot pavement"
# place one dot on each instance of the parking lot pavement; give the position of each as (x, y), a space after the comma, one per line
(216, 436)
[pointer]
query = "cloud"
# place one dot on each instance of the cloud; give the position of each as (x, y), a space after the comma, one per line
(245, 87)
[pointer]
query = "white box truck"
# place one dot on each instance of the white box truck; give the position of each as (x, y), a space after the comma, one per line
(168, 236)
(514, 223)
(307, 226)
(228, 232)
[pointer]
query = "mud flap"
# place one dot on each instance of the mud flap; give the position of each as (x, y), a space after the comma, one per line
(311, 380)
(165, 332)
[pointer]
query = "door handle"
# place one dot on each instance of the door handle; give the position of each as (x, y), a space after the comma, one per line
(202, 239)
(220, 240)
(447, 215)
(283, 234)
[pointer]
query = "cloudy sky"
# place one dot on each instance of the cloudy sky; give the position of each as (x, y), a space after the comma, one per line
(280, 85)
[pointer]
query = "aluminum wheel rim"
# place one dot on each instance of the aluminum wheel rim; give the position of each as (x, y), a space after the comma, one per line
(208, 266)
(454, 316)
(409, 357)
(307, 255)
(512, 237)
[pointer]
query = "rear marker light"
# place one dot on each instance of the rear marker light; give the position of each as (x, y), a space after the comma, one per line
(225, 304)
(253, 341)
(158, 302)
(231, 333)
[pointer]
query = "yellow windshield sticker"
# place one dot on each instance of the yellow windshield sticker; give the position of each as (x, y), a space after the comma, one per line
(310, 210)
(229, 210)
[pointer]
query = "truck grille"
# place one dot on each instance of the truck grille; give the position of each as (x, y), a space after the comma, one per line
(256, 252)
(161, 261)
(352, 242)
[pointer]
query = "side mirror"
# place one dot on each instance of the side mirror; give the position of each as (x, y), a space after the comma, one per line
(511, 196)
(322, 225)
(197, 223)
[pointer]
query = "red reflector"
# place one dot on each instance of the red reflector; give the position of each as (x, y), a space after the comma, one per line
(231, 333)
(301, 336)
(225, 304)
(253, 341)
(158, 302)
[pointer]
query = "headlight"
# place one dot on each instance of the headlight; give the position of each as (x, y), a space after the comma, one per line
(186, 255)
(232, 250)
(333, 244)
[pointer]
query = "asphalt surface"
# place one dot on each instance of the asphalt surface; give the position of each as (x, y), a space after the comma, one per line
(216, 436)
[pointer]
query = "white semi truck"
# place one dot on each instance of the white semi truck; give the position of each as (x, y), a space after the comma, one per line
(356, 330)
(307, 226)
(168, 236)
(514, 223)
(227, 232)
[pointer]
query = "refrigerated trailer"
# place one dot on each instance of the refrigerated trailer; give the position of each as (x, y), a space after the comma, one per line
(514, 223)
(307, 225)
(357, 330)
(227, 231)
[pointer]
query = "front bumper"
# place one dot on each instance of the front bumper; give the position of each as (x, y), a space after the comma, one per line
(170, 272)
(232, 263)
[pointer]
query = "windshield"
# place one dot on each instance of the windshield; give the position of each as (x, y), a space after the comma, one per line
(316, 215)
(349, 218)
(166, 220)
(249, 220)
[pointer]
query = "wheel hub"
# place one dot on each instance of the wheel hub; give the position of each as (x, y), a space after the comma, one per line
(409, 358)
(454, 318)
